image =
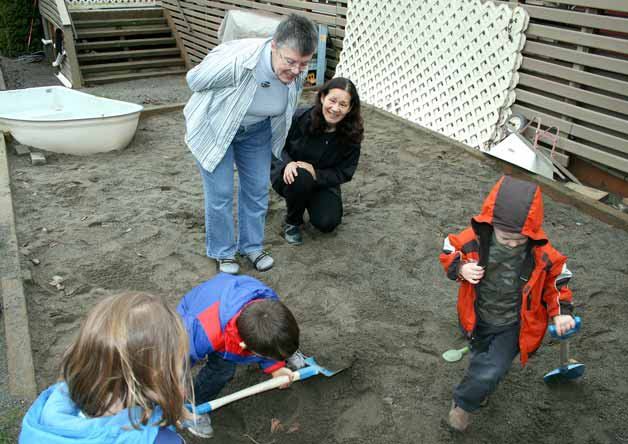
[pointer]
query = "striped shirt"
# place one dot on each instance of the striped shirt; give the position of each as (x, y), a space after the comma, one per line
(224, 85)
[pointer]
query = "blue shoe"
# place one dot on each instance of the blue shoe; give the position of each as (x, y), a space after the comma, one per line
(292, 234)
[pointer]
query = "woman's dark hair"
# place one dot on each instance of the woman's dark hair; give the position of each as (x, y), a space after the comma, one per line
(349, 130)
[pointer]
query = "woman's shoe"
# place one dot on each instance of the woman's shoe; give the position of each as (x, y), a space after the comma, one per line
(227, 265)
(261, 260)
(292, 234)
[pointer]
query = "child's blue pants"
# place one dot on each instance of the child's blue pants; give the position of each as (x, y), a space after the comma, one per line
(212, 378)
(491, 357)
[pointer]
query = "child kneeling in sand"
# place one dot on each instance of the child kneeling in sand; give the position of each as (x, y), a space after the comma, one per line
(124, 379)
(233, 320)
(511, 281)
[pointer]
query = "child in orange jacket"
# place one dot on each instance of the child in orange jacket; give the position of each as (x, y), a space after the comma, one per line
(512, 281)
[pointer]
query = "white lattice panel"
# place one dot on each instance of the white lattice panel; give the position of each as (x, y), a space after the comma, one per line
(97, 4)
(448, 65)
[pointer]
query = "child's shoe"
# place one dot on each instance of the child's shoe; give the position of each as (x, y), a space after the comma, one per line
(228, 265)
(459, 419)
(292, 234)
(200, 426)
(261, 260)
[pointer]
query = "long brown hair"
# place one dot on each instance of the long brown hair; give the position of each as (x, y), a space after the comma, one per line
(131, 351)
(349, 130)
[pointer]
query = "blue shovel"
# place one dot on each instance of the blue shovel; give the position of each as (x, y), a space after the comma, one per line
(567, 371)
(311, 369)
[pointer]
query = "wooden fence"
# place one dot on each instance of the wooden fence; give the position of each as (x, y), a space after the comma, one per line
(197, 21)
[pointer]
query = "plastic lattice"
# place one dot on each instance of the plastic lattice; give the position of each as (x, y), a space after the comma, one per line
(447, 65)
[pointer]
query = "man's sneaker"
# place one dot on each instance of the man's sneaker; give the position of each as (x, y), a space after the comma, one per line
(261, 260)
(459, 419)
(228, 265)
(292, 234)
(200, 426)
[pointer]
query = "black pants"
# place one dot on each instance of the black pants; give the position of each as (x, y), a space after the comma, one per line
(324, 205)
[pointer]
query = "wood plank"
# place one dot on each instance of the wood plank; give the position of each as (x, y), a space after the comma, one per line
(140, 30)
(138, 53)
(590, 192)
(119, 22)
(615, 5)
(572, 111)
(579, 38)
(126, 43)
(576, 130)
(132, 76)
(137, 64)
(597, 155)
(575, 94)
(585, 78)
(180, 45)
(577, 18)
(63, 13)
(612, 64)
(50, 12)
(112, 14)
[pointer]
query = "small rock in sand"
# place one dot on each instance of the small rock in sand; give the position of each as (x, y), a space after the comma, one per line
(57, 282)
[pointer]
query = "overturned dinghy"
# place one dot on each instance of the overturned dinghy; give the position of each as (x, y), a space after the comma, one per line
(517, 150)
(63, 120)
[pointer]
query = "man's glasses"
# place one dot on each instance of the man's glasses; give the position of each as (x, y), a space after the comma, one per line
(293, 63)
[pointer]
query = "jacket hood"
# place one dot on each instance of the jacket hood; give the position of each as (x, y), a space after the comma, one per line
(55, 419)
(515, 206)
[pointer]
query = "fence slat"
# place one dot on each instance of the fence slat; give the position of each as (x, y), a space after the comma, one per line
(573, 111)
(574, 75)
(573, 129)
(576, 94)
(579, 38)
(619, 66)
(582, 19)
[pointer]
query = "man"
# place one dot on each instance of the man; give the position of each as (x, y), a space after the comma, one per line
(245, 92)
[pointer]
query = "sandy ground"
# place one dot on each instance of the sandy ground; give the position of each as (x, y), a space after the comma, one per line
(372, 294)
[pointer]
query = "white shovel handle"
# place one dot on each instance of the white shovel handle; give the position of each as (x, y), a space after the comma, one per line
(250, 391)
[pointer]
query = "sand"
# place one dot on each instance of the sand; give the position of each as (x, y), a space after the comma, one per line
(371, 295)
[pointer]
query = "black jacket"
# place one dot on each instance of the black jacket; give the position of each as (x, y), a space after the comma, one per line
(334, 163)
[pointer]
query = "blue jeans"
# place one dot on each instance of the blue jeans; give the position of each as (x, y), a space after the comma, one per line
(251, 150)
(491, 358)
(212, 378)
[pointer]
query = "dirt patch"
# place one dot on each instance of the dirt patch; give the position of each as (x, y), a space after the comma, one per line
(371, 293)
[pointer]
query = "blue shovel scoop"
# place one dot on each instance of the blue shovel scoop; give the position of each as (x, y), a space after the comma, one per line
(311, 369)
(567, 370)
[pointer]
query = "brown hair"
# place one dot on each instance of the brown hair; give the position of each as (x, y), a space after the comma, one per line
(131, 351)
(268, 328)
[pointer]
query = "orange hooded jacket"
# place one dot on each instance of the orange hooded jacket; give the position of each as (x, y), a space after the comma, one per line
(513, 205)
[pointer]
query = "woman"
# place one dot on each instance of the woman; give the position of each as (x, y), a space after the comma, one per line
(321, 153)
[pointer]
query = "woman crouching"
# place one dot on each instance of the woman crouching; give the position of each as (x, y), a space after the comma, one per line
(321, 153)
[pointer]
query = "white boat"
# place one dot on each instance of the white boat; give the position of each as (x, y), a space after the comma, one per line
(62, 120)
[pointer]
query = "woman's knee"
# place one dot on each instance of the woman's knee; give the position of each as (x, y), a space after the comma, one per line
(326, 223)
(303, 183)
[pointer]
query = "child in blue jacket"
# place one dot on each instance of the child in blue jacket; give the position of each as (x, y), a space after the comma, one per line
(124, 379)
(233, 319)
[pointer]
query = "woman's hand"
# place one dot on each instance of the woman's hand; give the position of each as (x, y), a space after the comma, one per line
(284, 371)
(290, 172)
(307, 167)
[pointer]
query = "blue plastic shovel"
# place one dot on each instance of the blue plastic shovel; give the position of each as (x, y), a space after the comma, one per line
(312, 369)
(567, 371)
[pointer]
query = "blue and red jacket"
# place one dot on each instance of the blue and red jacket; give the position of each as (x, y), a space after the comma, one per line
(210, 312)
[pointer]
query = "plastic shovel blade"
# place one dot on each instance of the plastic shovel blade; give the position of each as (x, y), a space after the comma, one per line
(455, 355)
(313, 365)
(567, 373)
